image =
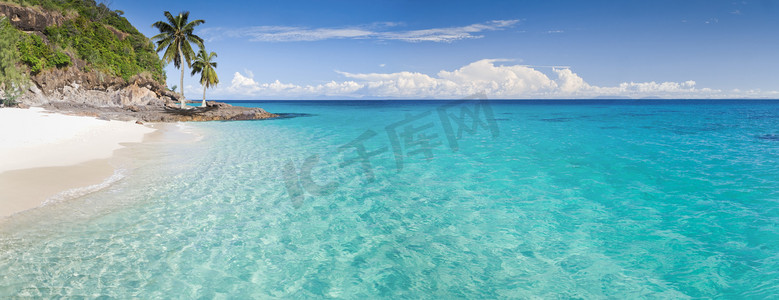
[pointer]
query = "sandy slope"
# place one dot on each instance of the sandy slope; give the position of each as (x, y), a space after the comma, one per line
(42, 154)
(33, 138)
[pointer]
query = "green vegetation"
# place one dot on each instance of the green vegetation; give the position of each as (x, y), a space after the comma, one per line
(92, 32)
(176, 38)
(96, 43)
(40, 56)
(205, 65)
(12, 80)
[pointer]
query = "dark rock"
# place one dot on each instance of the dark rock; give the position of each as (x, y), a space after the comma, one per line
(150, 113)
(30, 18)
(217, 104)
(96, 89)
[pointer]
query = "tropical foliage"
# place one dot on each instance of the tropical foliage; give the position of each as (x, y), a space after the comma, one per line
(175, 39)
(107, 52)
(206, 66)
(94, 33)
(39, 56)
(12, 79)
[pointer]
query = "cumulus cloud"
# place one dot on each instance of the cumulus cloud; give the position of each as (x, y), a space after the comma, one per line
(245, 85)
(488, 76)
(378, 31)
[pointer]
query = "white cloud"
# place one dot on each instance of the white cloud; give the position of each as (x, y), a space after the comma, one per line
(569, 83)
(245, 86)
(449, 34)
(288, 34)
(486, 76)
(376, 31)
(498, 81)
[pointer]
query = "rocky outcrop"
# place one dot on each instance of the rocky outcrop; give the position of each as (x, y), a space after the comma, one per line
(95, 89)
(215, 111)
(140, 99)
(55, 80)
(30, 18)
(131, 95)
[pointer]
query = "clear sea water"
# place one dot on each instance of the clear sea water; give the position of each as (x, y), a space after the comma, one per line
(540, 199)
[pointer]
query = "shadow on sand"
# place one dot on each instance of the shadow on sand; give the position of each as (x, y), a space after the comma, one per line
(189, 111)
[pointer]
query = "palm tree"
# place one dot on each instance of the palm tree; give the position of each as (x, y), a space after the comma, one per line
(205, 65)
(175, 38)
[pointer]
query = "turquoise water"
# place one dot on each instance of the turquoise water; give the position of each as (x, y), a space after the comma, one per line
(548, 199)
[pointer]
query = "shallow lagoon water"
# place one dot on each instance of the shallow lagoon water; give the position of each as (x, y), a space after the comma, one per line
(552, 199)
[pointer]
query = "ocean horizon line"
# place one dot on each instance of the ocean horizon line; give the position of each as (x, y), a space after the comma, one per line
(502, 99)
(588, 100)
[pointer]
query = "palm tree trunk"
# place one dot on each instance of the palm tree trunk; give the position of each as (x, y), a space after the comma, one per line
(204, 96)
(183, 99)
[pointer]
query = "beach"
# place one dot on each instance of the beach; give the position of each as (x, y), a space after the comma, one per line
(389, 150)
(43, 154)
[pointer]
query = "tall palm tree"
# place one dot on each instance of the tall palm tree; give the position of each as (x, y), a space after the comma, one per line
(176, 38)
(204, 64)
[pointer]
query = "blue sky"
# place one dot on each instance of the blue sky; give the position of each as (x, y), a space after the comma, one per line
(506, 49)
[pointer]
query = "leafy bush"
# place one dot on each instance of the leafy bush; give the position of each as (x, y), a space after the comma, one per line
(95, 43)
(40, 56)
(59, 59)
(12, 79)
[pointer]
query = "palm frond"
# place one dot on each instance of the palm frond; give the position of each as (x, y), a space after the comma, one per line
(183, 17)
(204, 65)
(170, 17)
(162, 26)
(195, 40)
(191, 25)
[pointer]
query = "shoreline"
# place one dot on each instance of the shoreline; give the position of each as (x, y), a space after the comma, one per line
(49, 156)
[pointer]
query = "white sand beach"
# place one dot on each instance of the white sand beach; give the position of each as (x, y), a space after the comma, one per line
(44, 153)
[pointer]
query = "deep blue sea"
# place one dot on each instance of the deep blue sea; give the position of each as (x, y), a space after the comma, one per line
(427, 199)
